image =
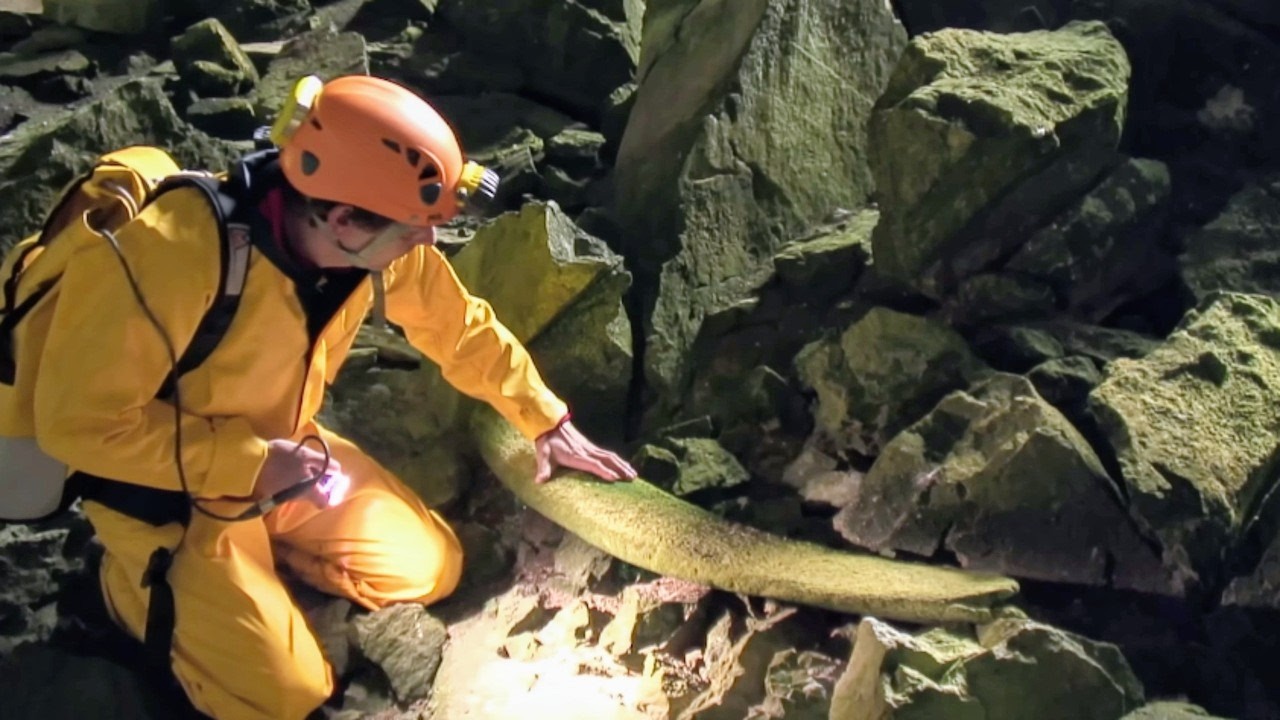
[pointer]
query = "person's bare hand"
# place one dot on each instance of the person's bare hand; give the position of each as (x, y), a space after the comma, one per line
(565, 446)
(288, 464)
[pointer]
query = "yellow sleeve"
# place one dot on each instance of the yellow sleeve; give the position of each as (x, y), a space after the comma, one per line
(103, 361)
(477, 354)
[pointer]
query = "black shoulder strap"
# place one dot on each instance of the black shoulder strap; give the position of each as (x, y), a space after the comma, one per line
(14, 314)
(235, 246)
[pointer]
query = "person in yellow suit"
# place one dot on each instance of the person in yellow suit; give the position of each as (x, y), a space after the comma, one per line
(344, 213)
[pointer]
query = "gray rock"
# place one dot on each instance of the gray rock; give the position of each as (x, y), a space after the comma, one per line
(980, 137)
(829, 262)
(22, 8)
(15, 68)
(15, 105)
(568, 286)
(39, 158)
(36, 563)
(1102, 344)
(124, 17)
(998, 297)
(1240, 249)
(566, 49)
(1260, 588)
(233, 118)
(255, 19)
(41, 682)
(1104, 250)
(406, 643)
(1065, 382)
(576, 150)
(1171, 711)
(1016, 348)
(1001, 479)
(404, 415)
(52, 37)
(701, 464)
(882, 374)
(321, 52)
(1011, 669)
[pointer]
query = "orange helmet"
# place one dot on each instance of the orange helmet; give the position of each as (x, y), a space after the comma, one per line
(371, 143)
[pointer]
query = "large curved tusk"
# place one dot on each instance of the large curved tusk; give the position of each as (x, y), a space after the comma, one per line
(645, 526)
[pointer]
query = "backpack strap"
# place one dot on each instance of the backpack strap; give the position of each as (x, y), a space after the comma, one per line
(12, 315)
(235, 245)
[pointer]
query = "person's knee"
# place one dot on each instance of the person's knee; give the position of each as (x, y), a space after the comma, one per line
(429, 573)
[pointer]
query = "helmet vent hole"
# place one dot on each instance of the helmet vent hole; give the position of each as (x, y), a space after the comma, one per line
(429, 172)
(310, 163)
(413, 156)
(429, 193)
(392, 144)
(316, 124)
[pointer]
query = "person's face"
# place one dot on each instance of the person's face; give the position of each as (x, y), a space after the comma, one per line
(358, 246)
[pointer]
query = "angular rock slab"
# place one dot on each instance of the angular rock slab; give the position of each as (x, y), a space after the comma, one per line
(981, 137)
(1104, 249)
(1195, 426)
(1011, 668)
(1240, 249)
(881, 374)
(999, 477)
(1171, 711)
(211, 62)
(575, 52)
(406, 642)
(563, 299)
(748, 127)
(1260, 588)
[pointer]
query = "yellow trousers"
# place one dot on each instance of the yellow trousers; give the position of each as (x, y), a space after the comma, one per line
(242, 650)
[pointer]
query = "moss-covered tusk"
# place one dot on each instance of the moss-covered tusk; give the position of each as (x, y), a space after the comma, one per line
(645, 526)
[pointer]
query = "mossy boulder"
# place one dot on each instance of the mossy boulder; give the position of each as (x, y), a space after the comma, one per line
(323, 52)
(210, 61)
(981, 137)
(563, 298)
(742, 111)
(1195, 425)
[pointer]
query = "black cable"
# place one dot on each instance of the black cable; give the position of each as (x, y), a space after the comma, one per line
(259, 508)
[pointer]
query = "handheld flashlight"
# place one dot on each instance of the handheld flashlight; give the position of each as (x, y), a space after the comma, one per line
(334, 487)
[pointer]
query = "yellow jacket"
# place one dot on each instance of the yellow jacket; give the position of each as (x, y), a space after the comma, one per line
(100, 362)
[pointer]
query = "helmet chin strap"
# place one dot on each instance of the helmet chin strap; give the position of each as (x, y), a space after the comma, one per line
(364, 256)
(361, 259)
